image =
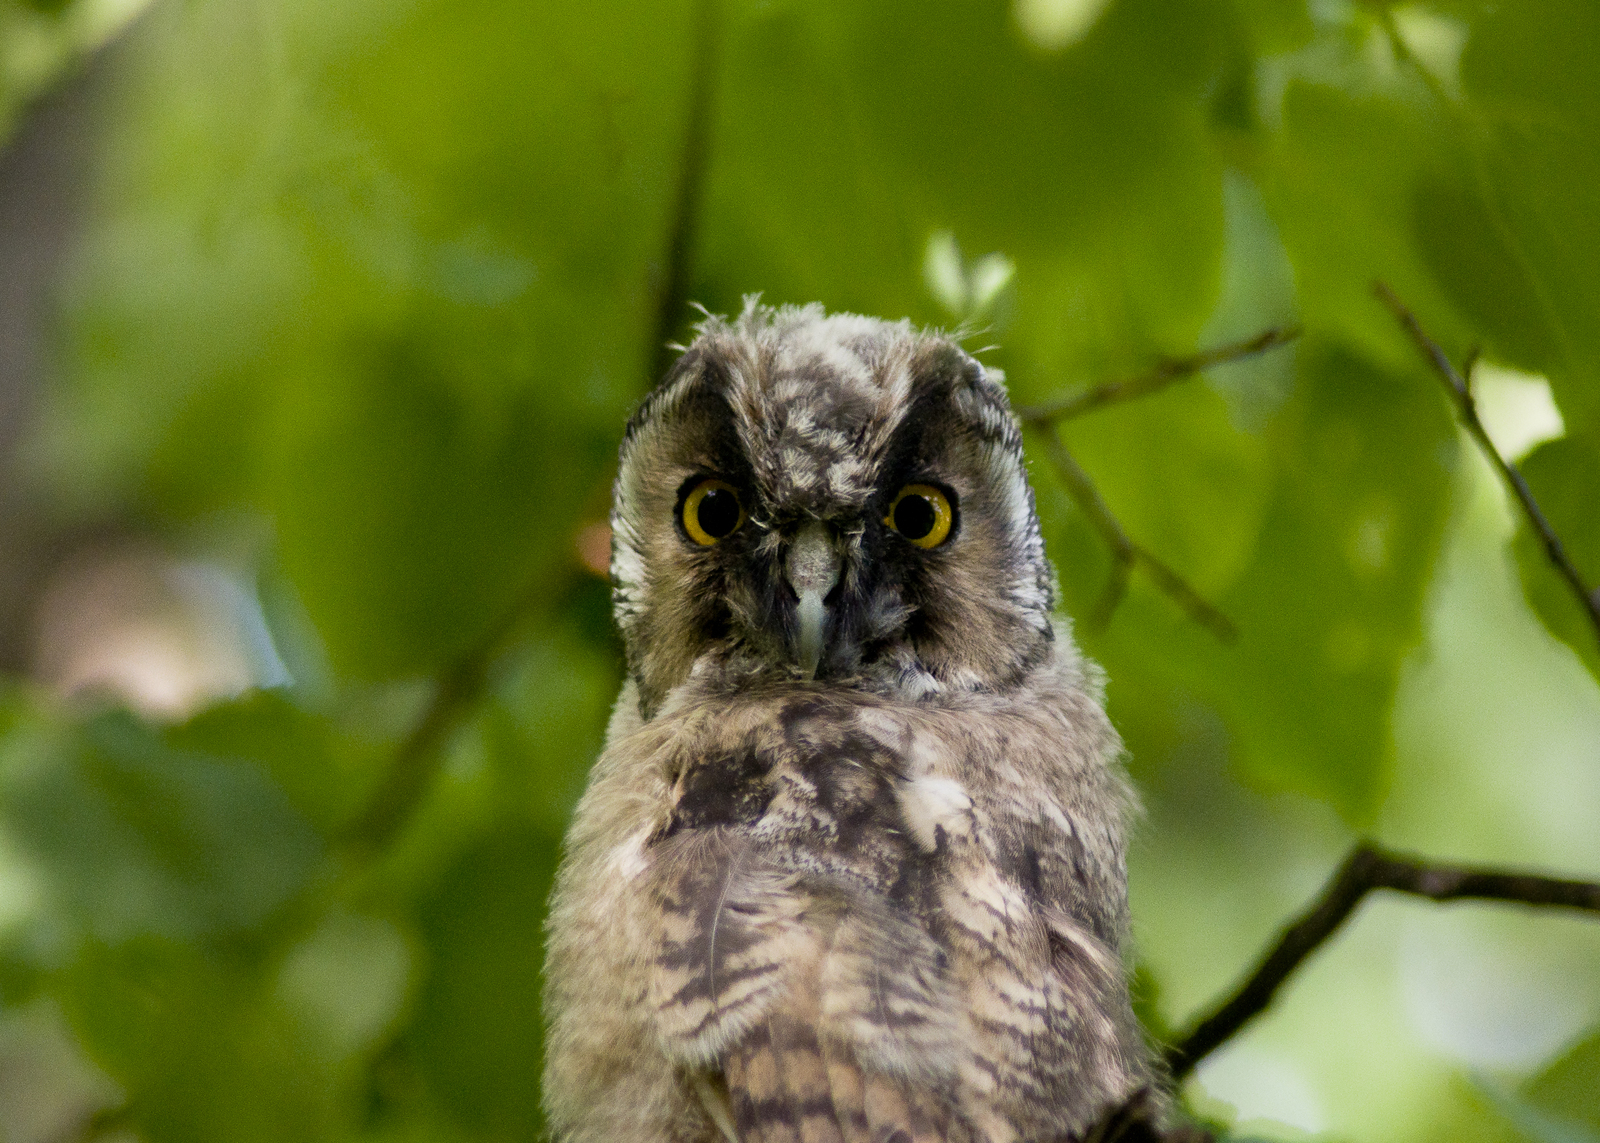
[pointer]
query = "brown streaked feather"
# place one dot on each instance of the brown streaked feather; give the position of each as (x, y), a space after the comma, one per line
(747, 965)
(859, 971)
(848, 1091)
(779, 1081)
(727, 931)
(805, 1077)
(761, 1108)
(785, 1088)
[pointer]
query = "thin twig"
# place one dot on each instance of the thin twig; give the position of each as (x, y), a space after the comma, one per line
(415, 762)
(1467, 409)
(1125, 553)
(1367, 868)
(672, 300)
(1166, 372)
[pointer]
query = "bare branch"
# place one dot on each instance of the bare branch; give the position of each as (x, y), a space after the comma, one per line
(1166, 372)
(1124, 552)
(1367, 868)
(1467, 409)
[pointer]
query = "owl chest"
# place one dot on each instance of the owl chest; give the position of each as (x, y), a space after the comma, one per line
(895, 801)
(836, 806)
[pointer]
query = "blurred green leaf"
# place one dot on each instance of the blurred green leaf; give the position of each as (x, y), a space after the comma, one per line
(1520, 256)
(1563, 475)
(199, 1045)
(1570, 1086)
(1198, 499)
(133, 837)
(1341, 183)
(380, 301)
(1334, 600)
(475, 1039)
(1276, 25)
(1331, 599)
(1534, 1123)
(320, 770)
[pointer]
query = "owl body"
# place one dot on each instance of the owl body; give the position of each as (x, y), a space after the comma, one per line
(850, 866)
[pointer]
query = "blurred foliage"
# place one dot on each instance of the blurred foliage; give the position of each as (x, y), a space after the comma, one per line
(41, 39)
(381, 281)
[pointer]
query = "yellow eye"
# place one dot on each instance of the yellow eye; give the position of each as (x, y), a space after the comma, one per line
(921, 514)
(711, 512)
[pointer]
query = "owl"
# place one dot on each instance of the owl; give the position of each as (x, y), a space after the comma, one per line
(850, 868)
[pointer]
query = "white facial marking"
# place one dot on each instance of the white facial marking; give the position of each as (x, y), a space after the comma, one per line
(628, 858)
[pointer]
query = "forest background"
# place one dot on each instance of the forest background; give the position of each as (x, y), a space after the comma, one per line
(319, 323)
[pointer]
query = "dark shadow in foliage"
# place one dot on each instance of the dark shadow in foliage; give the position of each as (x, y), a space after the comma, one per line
(476, 1040)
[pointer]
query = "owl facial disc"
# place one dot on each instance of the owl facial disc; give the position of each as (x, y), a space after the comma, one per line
(812, 570)
(830, 498)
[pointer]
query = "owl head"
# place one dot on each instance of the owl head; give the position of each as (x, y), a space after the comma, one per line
(828, 497)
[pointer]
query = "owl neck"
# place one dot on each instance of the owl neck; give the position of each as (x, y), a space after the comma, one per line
(898, 675)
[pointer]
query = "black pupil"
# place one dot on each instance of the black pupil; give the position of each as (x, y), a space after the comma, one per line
(914, 516)
(718, 513)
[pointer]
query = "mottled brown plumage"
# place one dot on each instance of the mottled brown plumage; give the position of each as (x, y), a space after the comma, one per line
(852, 873)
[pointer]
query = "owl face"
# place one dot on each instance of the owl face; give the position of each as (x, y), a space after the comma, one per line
(823, 497)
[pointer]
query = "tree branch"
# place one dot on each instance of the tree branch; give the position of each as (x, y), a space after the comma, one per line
(1125, 553)
(1166, 372)
(1467, 409)
(1138, 1119)
(1367, 868)
(416, 761)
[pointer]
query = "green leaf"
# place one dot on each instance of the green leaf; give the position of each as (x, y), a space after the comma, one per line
(1563, 475)
(1568, 1086)
(400, 498)
(360, 301)
(1525, 256)
(475, 1040)
(1335, 597)
(1331, 598)
(131, 837)
(1341, 184)
(834, 163)
(992, 133)
(1181, 479)
(1534, 1123)
(321, 771)
(199, 1045)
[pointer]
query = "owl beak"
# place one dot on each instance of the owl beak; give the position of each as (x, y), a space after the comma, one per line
(812, 570)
